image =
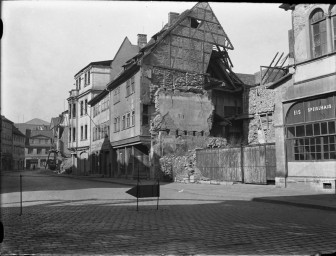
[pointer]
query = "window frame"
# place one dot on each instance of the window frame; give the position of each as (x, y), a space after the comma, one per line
(313, 23)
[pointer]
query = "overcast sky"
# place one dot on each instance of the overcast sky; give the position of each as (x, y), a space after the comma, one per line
(45, 43)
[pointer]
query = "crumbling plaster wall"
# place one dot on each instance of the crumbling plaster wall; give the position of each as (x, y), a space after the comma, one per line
(259, 102)
(183, 111)
(300, 21)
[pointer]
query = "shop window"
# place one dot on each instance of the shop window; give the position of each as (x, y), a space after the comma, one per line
(308, 144)
(318, 33)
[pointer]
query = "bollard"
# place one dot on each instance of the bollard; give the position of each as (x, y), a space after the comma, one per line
(20, 194)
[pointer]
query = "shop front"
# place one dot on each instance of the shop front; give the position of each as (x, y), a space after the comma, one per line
(310, 130)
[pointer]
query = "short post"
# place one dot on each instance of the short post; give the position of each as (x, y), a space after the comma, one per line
(158, 191)
(20, 194)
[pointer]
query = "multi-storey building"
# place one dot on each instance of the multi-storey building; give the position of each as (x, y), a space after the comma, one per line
(6, 144)
(180, 83)
(90, 81)
(18, 149)
(305, 106)
(100, 148)
(39, 142)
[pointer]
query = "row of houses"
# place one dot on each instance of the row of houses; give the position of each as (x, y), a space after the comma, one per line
(180, 83)
(25, 145)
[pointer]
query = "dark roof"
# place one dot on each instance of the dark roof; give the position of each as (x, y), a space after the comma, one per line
(5, 119)
(98, 97)
(106, 63)
(124, 76)
(17, 131)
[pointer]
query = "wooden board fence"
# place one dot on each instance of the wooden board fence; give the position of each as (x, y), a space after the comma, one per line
(248, 164)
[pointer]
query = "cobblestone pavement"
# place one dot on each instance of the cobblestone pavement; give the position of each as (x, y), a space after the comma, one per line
(104, 220)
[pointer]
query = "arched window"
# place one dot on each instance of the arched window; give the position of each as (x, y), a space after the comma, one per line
(318, 33)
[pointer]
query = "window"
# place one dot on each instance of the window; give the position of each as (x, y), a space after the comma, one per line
(74, 110)
(133, 118)
(128, 120)
(74, 134)
(81, 132)
(86, 107)
(88, 77)
(128, 84)
(145, 114)
(314, 141)
(39, 151)
(194, 23)
(81, 108)
(69, 110)
(132, 85)
(116, 95)
(123, 122)
(85, 79)
(318, 33)
(116, 124)
(86, 130)
(30, 150)
(70, 135)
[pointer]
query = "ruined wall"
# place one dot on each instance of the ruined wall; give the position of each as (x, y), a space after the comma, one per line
(259, 102)
(183, 111)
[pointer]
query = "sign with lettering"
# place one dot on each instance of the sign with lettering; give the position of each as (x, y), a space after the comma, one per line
(313, 110)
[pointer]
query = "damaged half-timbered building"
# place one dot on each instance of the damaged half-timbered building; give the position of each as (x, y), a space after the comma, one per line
(179, 84)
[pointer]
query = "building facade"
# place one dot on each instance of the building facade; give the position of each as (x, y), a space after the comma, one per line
(90, 81)
(19, 140)
(39, 142)
(102, 157)
(180, 83)
(6, 144)
(305, 102)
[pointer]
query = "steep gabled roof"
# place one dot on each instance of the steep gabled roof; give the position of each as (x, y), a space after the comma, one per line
(45, 133)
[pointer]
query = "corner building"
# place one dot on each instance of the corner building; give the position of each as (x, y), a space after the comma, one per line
(305, 107)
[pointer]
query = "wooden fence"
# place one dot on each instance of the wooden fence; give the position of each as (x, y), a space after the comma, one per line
(248, 164)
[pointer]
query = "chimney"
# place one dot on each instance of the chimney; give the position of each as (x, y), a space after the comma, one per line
(142, 40)
(172, 16)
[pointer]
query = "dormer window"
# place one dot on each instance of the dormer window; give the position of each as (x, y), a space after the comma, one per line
(318, 33)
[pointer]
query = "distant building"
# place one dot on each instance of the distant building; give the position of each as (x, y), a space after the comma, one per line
(37, 148)
(18, 149)
(60, 130)
(6, 144)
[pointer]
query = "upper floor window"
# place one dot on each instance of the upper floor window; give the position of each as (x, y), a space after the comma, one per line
(332, 12)
(318, 33)
(74, 110)
(82, 108)
(116, 95)
(130, 86)
(86, 107)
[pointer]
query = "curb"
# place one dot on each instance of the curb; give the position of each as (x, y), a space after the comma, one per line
(311, 206)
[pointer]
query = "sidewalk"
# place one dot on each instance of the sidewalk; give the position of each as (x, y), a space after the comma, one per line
(294, 196)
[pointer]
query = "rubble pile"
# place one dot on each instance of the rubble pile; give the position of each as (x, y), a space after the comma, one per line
(217, 142)
(181, 168)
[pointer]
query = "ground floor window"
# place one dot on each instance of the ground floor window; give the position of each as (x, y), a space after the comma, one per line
(312, 141)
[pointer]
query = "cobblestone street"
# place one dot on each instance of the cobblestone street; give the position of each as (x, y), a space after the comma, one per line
(103, 220)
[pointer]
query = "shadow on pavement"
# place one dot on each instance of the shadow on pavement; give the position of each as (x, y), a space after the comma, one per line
(318, 201)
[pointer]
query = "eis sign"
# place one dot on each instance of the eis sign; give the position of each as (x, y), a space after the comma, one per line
(313, 110)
